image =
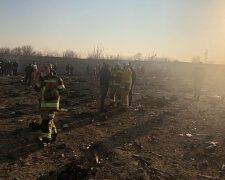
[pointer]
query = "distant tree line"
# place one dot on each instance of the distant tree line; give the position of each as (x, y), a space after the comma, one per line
(28, 50)
(96, 53)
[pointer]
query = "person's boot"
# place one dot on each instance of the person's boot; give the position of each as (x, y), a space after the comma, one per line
(44, 142)
(54, 137)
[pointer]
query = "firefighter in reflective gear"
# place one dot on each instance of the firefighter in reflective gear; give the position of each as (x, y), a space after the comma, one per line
(125, 85)
(115, 85)
(50, 86)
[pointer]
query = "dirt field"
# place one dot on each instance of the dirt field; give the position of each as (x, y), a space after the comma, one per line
(164, 135)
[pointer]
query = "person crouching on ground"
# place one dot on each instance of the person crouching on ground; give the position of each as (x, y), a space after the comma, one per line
(50, 87)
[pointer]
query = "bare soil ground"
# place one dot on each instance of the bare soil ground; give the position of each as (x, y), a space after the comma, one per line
(164, 135)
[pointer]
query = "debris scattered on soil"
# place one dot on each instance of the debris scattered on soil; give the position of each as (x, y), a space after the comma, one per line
(189, 135)
(65, 125)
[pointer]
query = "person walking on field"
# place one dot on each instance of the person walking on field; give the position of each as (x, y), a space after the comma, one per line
(94, 73)
(114, 90)
(132, 85)
(50, 87)
(29, 74)
(35, 71)
(104, 84)
(15, 67)
(125, 85)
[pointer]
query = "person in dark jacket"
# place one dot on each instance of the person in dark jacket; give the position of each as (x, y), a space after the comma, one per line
(133, 81)
(1, 68)
(15, 67)
(52, 70)
(88, 69)
(29, 74)
(104, 84)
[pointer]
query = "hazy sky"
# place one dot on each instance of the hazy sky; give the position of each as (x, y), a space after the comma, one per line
(178, 29)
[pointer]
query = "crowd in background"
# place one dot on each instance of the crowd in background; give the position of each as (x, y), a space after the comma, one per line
(8, 68)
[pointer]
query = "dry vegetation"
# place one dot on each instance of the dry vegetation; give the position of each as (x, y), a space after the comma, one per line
(164, 135)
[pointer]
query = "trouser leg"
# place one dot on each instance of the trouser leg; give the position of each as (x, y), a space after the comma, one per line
(125, 98)
(102, 98)
(118, 96)
(130, 96)
(104, 91)
(197, 91)
(29, 80)
(48, 127)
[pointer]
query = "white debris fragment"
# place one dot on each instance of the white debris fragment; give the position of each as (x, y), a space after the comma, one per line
(189, 135)
(65, 125)
(223, 167)
(212, 144)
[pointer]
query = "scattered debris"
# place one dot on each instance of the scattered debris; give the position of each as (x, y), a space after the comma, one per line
(147, 165)
(62, 155)
(63, 110)
(139, 108)
(206, 177)
(205, 163)
(65, 125)
(189, 135)
(153, 139)
(151, 114)
(158, 155)
(135, 156)
(96, 157)
(181, 134)
(88, 147)
(223, 167)
(211, 147)
(212, 144)
(20, 120)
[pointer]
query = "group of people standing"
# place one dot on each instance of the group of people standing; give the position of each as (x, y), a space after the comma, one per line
(119, 82)
(8, 68)
(31, 71)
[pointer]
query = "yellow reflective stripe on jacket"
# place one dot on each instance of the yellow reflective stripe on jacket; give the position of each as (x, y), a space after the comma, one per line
(46, 135)
(61, 87)
(49, 105)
